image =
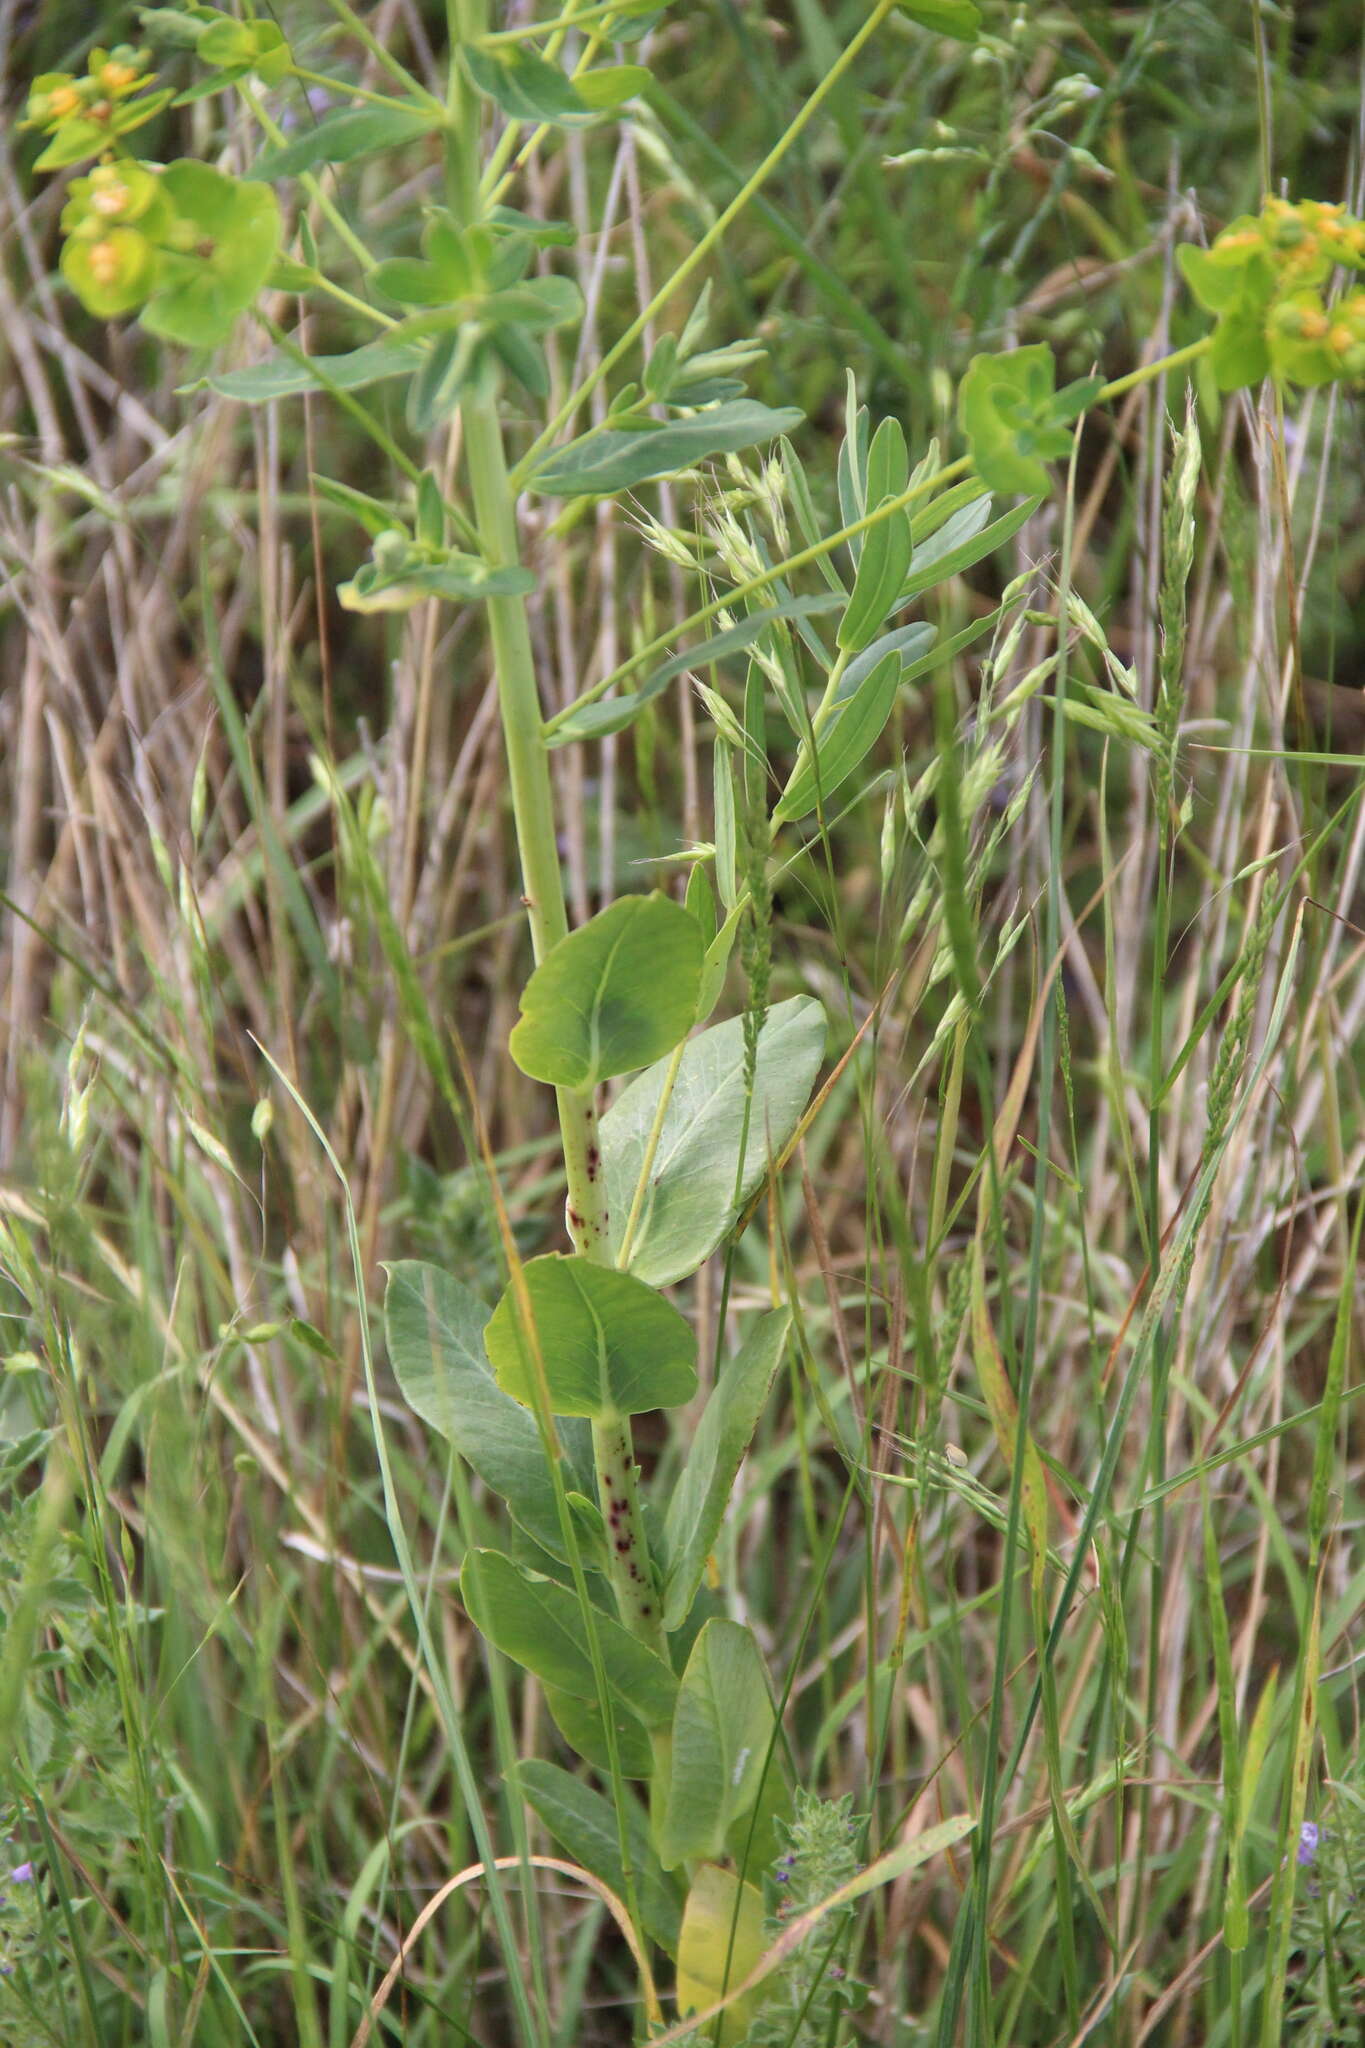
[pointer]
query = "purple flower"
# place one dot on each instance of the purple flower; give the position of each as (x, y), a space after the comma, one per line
(1308, 1842)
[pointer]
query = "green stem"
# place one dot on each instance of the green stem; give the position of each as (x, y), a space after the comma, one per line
(533, 809)
(1144, 375)
(628, 1565)
(823, 708)
(326, 205)
(528, 768)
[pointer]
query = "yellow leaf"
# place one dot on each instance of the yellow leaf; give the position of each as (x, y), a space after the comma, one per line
(722, 1922)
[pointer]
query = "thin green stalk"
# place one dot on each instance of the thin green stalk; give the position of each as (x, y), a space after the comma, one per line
(739, 593)
(327, 205)
(1146, 371)
(980, 2023)
(647, 1163)
(538, 31)
(345, 89)
(384, 57)
(708, 241)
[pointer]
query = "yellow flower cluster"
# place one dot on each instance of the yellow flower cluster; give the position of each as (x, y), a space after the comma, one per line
(84, 117)
(1266, 277)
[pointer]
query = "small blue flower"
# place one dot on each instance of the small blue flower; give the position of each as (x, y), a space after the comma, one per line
(1309, 1837)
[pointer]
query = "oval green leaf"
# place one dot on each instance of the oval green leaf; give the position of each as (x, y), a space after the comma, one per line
(580, 1723)
(342, 138)
(689, 1205)
(615, 458)
(722, 1730)
(539, 1624)
(960, 19)
(610, 1345)
(584, 1824)
(614, 995)
(434, 1327)
(527, 87)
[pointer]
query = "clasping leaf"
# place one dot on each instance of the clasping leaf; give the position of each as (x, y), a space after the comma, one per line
(614, 995)
(609, 1345)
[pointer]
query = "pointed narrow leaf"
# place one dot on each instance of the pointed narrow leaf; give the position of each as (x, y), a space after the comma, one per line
(696, 1508)
(610, 1345)
(888, 463)
(462, 578)
(700, 902)
(584, 1825)
(716, 964)
(615, 713)
(539, 1624)
(341, 138)
(933, 565)
(851, 467)
(527, 87)
(616, 994)
(373, 513)
(1004, 1414)
(723, 799)
(912, 643)
(580, 1723)
(882, 568)
(803, 505)
(615, 458)
(281, 376)
(689, 1205)
(850, 732)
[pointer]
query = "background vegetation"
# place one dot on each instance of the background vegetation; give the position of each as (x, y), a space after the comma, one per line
(240, 821)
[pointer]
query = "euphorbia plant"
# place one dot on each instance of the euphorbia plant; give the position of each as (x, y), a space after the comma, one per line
(597, 1589)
